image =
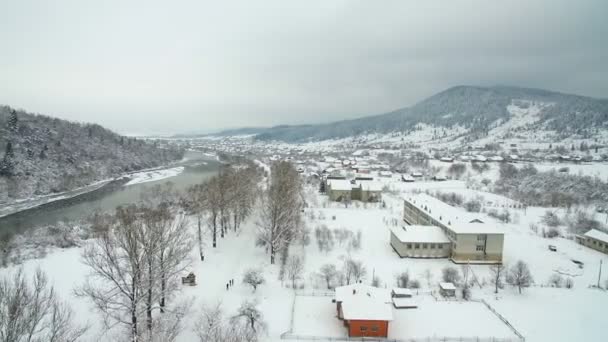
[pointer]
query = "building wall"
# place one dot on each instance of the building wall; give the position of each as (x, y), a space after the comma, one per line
(335, 195)
(370, 328)
(477, 247)
(370, 196)
(464, 246)
(424, 250)
(594, 244)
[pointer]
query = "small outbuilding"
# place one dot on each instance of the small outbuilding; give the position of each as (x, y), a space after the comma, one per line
(447, 289)
(365, 310)
(190, 279)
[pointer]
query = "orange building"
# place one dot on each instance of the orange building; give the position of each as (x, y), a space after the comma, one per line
(365, 310)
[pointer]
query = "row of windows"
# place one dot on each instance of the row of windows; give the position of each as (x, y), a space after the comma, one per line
(425, 245)
(599, 244)
(374, 328)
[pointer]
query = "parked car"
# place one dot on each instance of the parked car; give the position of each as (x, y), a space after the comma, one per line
(552, 248)
(579, 263)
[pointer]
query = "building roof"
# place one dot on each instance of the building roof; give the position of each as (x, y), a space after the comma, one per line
(364, 302)
(362, 290)
(447, 286)
(402, 303)
(402, 292)
(432, 234)
(340, 184)
(361, 308)
(369, 185)
(597, 235)
(456, 219)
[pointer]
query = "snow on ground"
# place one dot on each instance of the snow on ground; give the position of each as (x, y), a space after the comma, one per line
(316, 316)
(447, 319)
(540, 313)
(151, 176)
(550, 314)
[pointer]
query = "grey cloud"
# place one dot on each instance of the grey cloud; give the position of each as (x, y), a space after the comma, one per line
(159, 66)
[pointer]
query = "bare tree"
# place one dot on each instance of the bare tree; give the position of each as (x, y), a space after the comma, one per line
(519, 275)
(194, 203)
(31, 311)
(329, 272)
(212, 326)
(403, 279)
(249, 312)
(117, 264)
(498, 273)
(280, 211)
(354, 270)
(212, 196)
(254, 278)
(450, 275)
(295, 268)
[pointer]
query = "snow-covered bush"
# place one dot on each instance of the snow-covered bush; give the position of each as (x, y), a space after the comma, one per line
(450, 275)
(403, 279)
(254, 278)
(473, 206)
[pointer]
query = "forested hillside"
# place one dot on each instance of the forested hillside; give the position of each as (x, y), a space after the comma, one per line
(40, 155)
(477, 109)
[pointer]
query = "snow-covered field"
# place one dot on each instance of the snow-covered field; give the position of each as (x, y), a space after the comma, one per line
(540, 313)
(151, 176)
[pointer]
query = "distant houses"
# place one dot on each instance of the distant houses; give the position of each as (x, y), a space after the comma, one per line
(358, 189)
(434, 229)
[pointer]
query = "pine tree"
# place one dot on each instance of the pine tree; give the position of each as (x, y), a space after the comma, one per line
(7, 164)
(13, 122)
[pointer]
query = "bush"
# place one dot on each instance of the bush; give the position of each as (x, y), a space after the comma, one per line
(552, 233)
(473, 206)
(403, 279)
(556, 280)
(450, 275)
(414, 284)
(551, 219)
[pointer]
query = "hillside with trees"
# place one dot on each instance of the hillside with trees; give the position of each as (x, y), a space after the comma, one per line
(41, 155)
(476, 109)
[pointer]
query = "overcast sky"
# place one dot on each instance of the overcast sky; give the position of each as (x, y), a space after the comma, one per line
(184, 66)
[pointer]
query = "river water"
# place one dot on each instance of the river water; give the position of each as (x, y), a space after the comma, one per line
(197, 168)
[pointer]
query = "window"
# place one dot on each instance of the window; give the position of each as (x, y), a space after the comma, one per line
(432, 246)
(425, 245)
(440, 246)
(409, 246)
(363, 328)
(417, 246)
(374, 328)
(479, 248)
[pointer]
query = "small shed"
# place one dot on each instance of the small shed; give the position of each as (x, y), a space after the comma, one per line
(401, 293)
(405, 303)
(190, 279)
(447, 289)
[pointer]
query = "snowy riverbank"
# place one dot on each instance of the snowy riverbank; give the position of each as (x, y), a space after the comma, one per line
(152, 176)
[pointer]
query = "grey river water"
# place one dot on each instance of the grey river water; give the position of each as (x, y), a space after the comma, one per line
(198, 167)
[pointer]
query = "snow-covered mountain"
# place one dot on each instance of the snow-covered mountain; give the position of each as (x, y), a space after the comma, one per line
(469, 113)
(40, 155)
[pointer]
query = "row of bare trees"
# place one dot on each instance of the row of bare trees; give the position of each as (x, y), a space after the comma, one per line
(30, 310)
(135, 263)
(224, 201)
(282, 202)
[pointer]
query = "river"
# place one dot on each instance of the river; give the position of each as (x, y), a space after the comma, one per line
(197, 168)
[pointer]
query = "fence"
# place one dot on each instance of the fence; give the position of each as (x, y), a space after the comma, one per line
(315, 293)
(504, 320)
(292, 337)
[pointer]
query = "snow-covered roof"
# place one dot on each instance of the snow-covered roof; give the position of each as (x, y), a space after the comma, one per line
(402, 303)
(361, 308)
(397, 291)
(597, 235)
(432, 234)
(340, 184)
(456, 219)
(369, 185)
(362, 290)
(364, 302)
(447, 286)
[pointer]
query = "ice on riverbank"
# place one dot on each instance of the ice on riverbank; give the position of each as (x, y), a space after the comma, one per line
(151, 176)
